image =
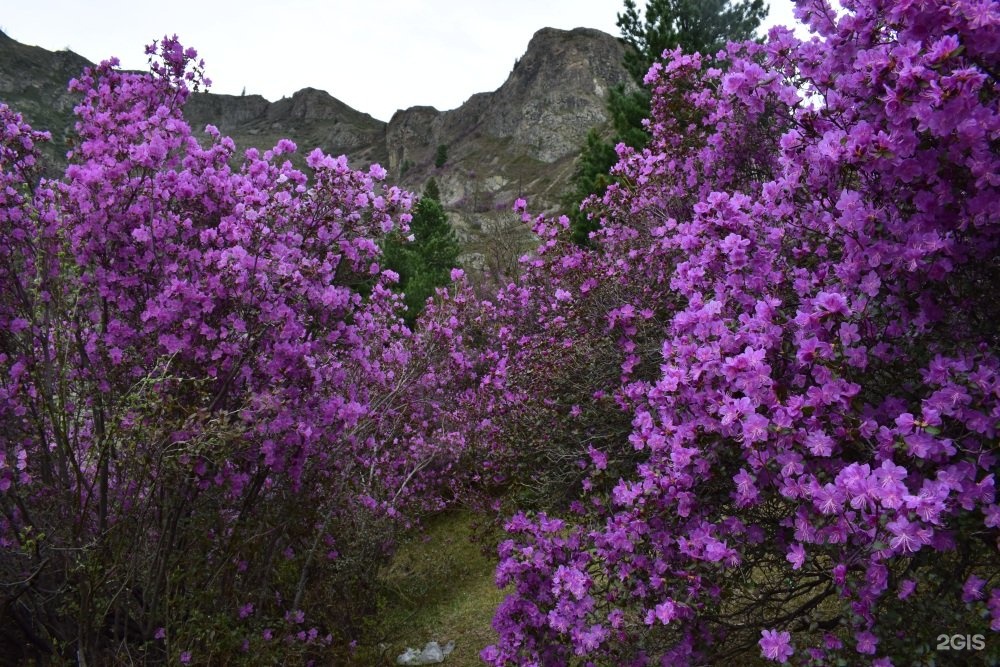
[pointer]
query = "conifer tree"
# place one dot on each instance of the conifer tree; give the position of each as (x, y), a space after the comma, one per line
(425, 262)
(441, 156)
(432, 190)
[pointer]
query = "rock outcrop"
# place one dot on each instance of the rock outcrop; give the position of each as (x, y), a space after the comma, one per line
(521, 134)
(310, 117)
(34, 82)
(520, 140)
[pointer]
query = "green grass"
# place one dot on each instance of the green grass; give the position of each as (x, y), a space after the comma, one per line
(439, 587)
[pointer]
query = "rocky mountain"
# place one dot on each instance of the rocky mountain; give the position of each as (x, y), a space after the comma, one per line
(310, 117)
(33, 81)
(519, 140)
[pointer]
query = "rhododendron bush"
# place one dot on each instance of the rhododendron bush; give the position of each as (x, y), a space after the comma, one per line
(213, 421)
(792, 308)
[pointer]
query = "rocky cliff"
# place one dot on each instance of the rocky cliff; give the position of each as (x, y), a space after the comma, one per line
(553, 96)
(310, 117)
(519, 140)
(33, 81)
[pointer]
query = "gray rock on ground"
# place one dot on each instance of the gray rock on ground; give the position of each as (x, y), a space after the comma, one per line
(432, 654)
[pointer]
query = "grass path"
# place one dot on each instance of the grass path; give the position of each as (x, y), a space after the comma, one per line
(439, 587)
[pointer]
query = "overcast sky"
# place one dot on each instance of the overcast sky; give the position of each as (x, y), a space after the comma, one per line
(374, 56)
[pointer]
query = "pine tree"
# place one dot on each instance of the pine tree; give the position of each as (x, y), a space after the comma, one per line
(441, 156)
(432, 191)
(591, 176)
(694, 25)
(425, 263)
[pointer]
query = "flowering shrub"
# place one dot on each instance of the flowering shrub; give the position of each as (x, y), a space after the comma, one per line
(793, 304)
(212, 418)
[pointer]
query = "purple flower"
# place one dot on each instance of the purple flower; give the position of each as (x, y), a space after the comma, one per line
(572, 580)
(746, 489)
(866, 642)
(666, 611)
(796, 556)
(829, 499)
(973, 589)
(715, 550)
(597, 457)
(819, 443)
(760, 289)
(776, 645)
(831, 303)
(992, 513)
(587, 640)
(907, 536)
(889, 481)
(755, 428)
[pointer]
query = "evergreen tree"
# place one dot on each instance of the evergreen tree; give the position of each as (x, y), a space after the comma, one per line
(432, 191)
(441, 156)
(694, 25)
(425, 263)
(591, 176)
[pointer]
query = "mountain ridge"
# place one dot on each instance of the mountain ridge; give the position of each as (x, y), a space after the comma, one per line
(519, 140)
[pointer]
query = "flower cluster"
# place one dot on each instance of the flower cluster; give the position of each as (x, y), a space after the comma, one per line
(791, 307)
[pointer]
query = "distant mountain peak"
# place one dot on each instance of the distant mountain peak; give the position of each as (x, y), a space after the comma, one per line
(519, 140)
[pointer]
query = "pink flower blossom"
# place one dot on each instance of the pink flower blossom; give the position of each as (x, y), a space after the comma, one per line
(796, 556)
(775, 645)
